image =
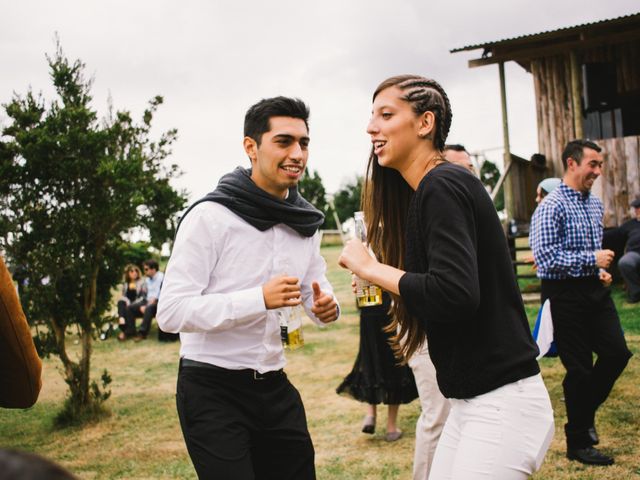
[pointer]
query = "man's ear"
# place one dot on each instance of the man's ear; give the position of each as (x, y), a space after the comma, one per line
(427, 124)
(251, 148)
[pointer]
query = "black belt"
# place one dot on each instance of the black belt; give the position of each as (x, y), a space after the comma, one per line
(589, 281)
(244, 373)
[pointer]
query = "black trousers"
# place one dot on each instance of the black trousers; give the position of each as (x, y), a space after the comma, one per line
(127, 328)
(237, 427)
(585, 321)
(133, 311)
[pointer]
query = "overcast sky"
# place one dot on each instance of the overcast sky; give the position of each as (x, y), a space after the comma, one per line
(211, 60)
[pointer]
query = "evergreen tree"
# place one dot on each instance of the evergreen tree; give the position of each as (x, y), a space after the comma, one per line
(312, 189)
(71, 188)
(347, 200)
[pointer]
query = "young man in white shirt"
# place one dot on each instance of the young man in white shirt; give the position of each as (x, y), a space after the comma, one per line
(241, 253)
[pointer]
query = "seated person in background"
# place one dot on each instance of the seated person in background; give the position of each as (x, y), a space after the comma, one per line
(146, 308)
(629, 263)
(133, 290)
(20, 366)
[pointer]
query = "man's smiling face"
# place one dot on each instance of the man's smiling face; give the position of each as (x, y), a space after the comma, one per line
(278, 162)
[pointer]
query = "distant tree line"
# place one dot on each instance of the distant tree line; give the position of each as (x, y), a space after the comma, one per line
(347, 199)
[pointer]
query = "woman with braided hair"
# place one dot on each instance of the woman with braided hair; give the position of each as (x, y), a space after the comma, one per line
(444, 259)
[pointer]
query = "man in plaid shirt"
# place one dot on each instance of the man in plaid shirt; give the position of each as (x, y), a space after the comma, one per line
(566, 239)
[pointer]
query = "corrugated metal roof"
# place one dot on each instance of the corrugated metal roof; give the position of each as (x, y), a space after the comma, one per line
(541, 34)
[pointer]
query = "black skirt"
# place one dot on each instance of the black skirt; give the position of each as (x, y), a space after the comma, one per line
(376, 376)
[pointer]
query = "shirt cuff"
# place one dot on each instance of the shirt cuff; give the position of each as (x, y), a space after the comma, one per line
(247, 303)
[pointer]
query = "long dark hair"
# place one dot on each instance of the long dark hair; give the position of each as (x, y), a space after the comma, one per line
(386, 196)
(128, 269)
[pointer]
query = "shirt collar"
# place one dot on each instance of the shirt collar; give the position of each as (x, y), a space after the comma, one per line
(575, 194)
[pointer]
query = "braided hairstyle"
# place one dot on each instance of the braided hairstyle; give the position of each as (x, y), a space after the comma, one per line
(386, 197)
(424, 95)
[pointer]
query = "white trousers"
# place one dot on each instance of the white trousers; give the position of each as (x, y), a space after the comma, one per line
(501, 435)
(435, 409)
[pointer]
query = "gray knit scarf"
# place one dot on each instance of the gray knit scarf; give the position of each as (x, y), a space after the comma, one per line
(238, 193)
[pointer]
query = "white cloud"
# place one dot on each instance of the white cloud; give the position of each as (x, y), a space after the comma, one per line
(212, 59)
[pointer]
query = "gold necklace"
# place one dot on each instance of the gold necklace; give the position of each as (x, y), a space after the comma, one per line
(434, 162)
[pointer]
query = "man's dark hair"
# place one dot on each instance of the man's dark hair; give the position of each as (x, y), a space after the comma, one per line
(456, 147)
(29, 466)
(256, 120)
(575, 149)
(151, 263)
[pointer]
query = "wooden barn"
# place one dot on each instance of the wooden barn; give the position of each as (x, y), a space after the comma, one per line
(587, 85)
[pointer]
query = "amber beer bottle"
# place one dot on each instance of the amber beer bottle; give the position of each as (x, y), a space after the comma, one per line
(367, 294)
(295, 339)
(290, 319)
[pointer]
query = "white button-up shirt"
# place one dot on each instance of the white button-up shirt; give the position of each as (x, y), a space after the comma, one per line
(153, 286)
(212, 290)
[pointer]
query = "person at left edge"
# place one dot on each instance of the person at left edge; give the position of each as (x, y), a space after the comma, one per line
(242, 252)
(20, 366)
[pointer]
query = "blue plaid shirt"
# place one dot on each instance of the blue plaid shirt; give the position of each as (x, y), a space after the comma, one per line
(566, 231)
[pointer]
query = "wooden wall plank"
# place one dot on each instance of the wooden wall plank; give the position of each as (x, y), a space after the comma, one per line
(620, 194)
(620, 181)
(608, 186)
(632, 154)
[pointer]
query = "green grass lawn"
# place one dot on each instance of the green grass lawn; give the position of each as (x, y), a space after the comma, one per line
(141, 439)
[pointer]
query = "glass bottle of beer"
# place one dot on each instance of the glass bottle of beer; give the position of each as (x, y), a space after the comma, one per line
(367, 294)
(290, 319)
(295, 339)
(284, 327)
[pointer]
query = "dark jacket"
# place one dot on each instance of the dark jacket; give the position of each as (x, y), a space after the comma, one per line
(460, 284)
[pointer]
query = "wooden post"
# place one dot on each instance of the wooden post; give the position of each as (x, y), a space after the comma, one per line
(337, 220)
(508, 191)
(576, 98)
(496, 189)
